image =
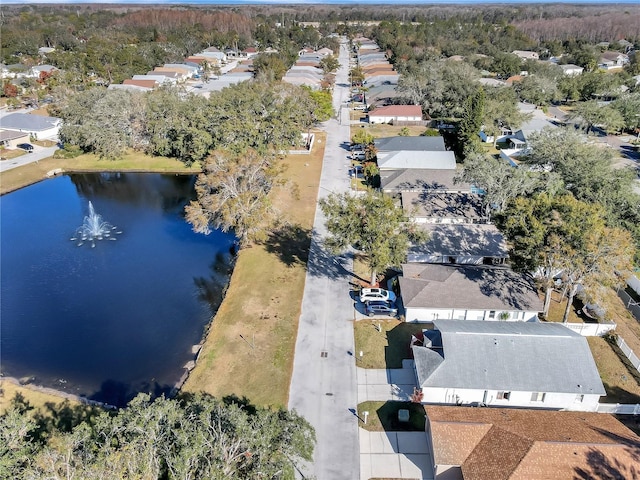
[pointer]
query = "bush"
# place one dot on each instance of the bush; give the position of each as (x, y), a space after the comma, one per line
(430, 132)
(69, 151)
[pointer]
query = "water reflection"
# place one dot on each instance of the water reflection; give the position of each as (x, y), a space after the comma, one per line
(114, 320)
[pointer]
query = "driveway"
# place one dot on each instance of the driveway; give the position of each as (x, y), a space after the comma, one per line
(391, 454)
(395, 455)
(386, 384)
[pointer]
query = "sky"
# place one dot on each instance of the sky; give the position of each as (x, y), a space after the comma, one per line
(323, 2)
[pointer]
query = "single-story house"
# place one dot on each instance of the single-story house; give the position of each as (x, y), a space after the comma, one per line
(507, 364)
(414, 144)
(526, 54)
(38, 69)
(382, 79)
(612, 60)
(11, 138)
(404, 159)
(422, 179)
(461, 244)
(146, 84)
(38, 126)
(430, 292)
(492, 82)
(158, 77)
(571, 69)
(325, 51)
(439, 207)
(129, 85)
(516, 444)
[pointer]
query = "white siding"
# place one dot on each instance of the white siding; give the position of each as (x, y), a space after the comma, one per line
(553, 400)
(413, 314)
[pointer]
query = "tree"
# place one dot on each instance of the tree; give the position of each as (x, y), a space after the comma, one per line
(329, 64)
(499, 181)
(233, 195)
(501, 111)
(590, 114)
(629, 107)
(193, 436)
(269, 66)
(537, 89)
(357, 76)
(469, 127)
(506, 64)
(362, 137)
(543, 231)
(602, 259)
(371, 223)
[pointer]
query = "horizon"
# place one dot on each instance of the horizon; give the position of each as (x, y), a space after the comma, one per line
(319, 2)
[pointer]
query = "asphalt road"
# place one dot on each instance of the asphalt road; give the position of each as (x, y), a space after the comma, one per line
(324, 385)
(39, 153)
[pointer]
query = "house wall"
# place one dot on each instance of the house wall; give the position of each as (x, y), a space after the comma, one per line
(394, 119)
(552, 400)
(413, 314)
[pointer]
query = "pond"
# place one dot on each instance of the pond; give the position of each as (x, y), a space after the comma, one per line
(107, 318)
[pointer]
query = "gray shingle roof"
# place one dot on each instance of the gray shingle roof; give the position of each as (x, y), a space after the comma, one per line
(431, 144)
(418, 179)
(29, 122)
(401, 159)
(483, 240)
(510, 356)
(467, 287)
(461, 206)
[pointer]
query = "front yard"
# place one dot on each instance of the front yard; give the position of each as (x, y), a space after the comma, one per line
(384, 343)
(383, 416)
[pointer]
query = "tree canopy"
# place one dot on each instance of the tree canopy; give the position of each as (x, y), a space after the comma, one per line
(191, 437)
(373, 224)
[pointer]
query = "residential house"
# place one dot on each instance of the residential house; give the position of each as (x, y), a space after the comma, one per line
(160, 78)
(610, 60)
(405, 159)
(145, 84)
(422, 179)
(571, 69)
(325, 52)
(460, 244)
(44, 50)
(38, 126)
(507, 364)
(523, 444)
(11, 138)
(397, 115)
(430, 292)
(441, 207)
(400, 153)
(37, 70)
(526, 54)
(492, 82)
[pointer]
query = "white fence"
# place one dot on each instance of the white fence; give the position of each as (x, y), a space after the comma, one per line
(591, 329)
(619, 408)
(633, 358)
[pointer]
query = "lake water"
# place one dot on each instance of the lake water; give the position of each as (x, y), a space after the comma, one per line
(113, 320)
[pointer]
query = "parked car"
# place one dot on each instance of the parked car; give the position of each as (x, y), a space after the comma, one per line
(358, 155)
(26, 146)
(381, 308)
(377, 294)
(360, 107)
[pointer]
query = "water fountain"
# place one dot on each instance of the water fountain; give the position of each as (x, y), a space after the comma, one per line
(94, 228)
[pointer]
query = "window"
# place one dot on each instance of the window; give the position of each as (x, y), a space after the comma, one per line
(504, 395)
(492, 314)
(579, 398)
(537, 397)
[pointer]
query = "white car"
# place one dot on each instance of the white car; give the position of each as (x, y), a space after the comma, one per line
(379, 294)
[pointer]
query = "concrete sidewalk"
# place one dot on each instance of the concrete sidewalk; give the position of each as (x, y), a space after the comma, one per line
(395, 455)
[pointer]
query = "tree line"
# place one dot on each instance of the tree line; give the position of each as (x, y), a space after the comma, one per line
(190, 437)
(165, 122)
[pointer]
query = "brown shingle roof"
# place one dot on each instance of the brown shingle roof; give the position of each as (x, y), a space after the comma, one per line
(141, 83)
(397, 111)
(523, 444)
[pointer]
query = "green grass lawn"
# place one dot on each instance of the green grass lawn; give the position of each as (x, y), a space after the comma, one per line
(249, 349)
(383, 416)
(385, 348)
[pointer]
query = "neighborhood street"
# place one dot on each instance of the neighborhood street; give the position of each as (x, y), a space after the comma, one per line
(324, 385)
